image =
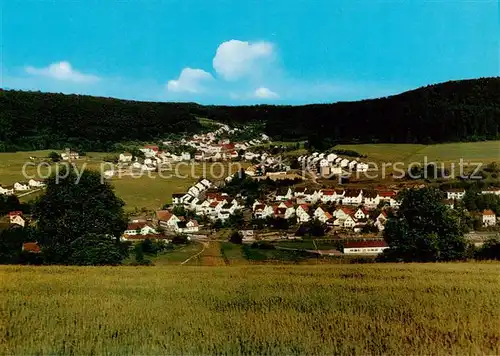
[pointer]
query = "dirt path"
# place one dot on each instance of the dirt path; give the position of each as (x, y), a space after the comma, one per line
(28, 193)
(205, 245)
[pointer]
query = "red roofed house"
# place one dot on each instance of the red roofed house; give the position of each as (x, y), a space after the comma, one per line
(322, 215)
(16, 217)
(361, 213)
(353, 197)
(489, 218)
(166, 219)
(140, 228)
(328, 196)
(32, 247)
(302, 213)
(188, 227)
(262, 211)
(373, 247)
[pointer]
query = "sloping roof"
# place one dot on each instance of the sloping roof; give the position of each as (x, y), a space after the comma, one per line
(347, 211)
(370, 193)
(138, 225)
(15, 213)
(280, 211)
(288, 203)
(193, 222)
(456, 190)
(164, 215)
(488, 212)
(31, 247)
(352, 193)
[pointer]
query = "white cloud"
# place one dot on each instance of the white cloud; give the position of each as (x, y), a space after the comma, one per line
(265, 93)
(62, 71)
(190, 80)
(235, 59)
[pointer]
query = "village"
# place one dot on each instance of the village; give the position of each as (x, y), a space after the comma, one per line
(354, 215)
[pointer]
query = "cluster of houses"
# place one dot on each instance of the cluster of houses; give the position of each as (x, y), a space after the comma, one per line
(153, 158)
(19, 187)
(342, 196)
(354, 208)
(488, 216)
(69, 155)
(210, 148)
(211, 204)
(165, 220)
(330, 164)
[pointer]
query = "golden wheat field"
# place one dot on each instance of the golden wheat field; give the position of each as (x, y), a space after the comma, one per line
(337, 309)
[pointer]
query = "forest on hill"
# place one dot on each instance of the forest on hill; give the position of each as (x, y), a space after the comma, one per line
(35, 120)
(466, 110)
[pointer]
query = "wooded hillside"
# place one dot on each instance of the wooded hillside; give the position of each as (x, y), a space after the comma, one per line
(466, 110)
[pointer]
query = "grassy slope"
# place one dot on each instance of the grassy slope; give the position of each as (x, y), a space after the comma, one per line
(485, 152)
(143, 192)
(355, 309)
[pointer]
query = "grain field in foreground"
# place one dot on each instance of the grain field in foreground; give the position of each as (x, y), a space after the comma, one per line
(360, 309)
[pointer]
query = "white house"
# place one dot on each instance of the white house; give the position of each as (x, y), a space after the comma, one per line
(263, 211)
(206, 183)
(125, 157)
(456, 194)
(187, 227)
(166, 219)
(302, 213)
(6, 190)
(362, 167)
(16, 217)
(373, 247)
(371, 197)
(284, 194)
(328, 196)
(36, 183)
(225, 211)
(21, 186)
(353, 197)
(331, 157)
(140, 228)
(350, 222)
(491, 190)
(380, 221)
(322, 215)
(489, 218)
(361, 214)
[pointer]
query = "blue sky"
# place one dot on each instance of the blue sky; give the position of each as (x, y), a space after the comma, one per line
(245, 52)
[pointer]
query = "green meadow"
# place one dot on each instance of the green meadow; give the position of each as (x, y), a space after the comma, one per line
(149, 191)
(484, 152)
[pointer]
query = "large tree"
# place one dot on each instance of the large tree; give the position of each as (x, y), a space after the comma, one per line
(424, 229)
(74, 208)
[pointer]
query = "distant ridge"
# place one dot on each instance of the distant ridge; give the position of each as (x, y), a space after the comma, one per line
(465, 110)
